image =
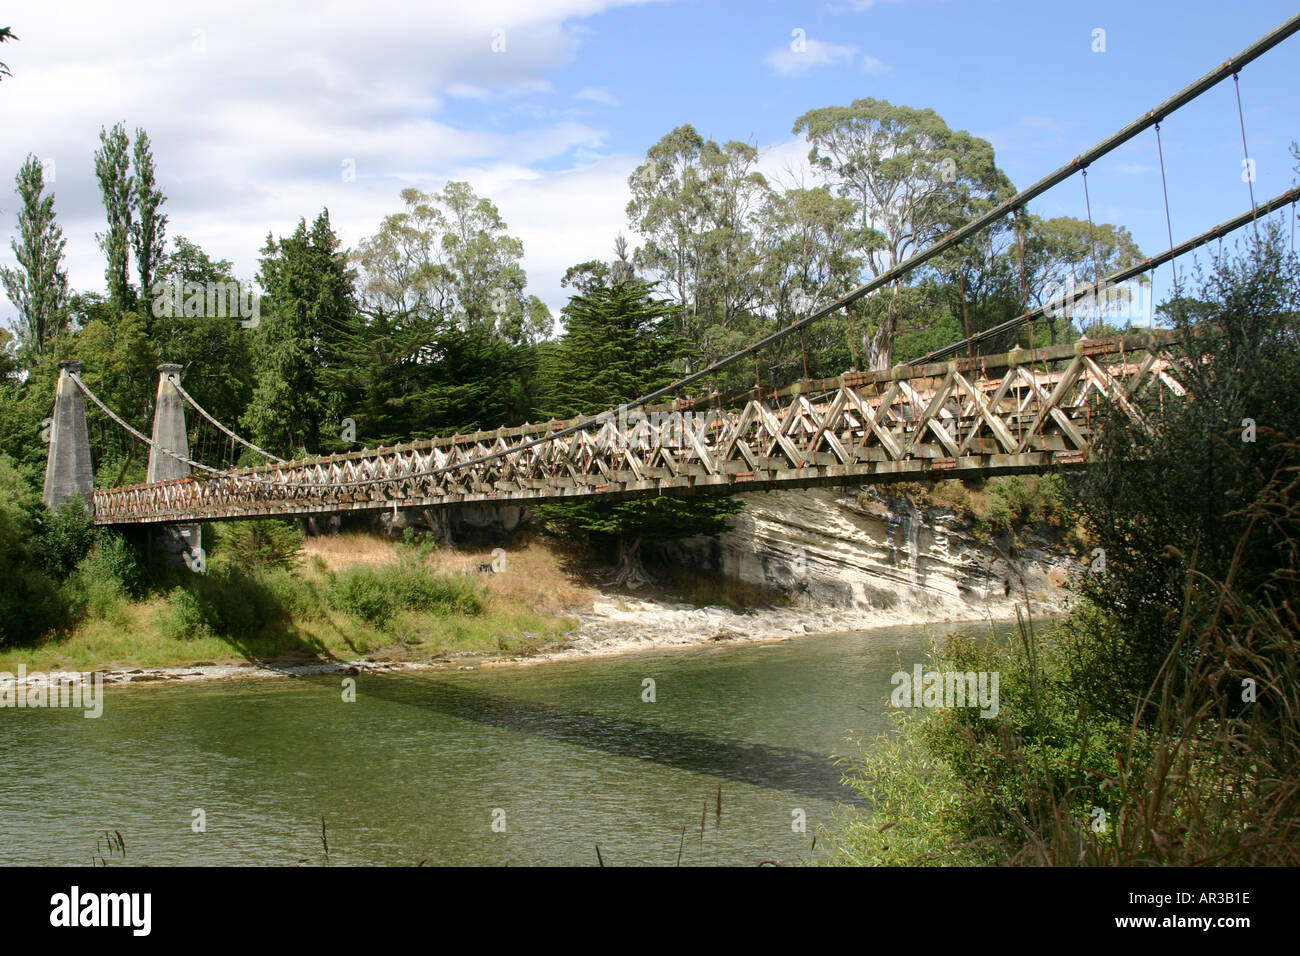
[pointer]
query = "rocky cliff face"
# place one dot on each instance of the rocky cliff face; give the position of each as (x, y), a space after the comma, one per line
(881, 556)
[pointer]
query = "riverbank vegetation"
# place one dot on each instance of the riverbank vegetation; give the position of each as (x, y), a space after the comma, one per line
(269, 594)
(1160, 722)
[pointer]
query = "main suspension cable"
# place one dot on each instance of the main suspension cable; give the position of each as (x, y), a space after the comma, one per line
(199, 408)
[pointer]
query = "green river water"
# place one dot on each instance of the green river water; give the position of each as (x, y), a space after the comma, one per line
(561, 757)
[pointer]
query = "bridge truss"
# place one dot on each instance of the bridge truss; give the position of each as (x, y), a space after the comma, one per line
(963, 418)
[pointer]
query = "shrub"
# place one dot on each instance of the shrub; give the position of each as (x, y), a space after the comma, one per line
(359, 590)
(90, 593)
(289, 593)
(377, 594)
(31, 606)
(30, 602)
(952, 787)
(119, 559)
(185, 618)
(415, 588)
(63, 538)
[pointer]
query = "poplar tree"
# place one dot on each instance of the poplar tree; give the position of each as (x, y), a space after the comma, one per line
(149, 230)
(113, 170)
(38, 288)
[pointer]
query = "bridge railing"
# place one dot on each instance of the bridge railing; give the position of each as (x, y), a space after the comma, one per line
(1022, 411)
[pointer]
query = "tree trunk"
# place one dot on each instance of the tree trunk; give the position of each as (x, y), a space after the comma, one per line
(439, 524)
(879, 349)
(631, 573)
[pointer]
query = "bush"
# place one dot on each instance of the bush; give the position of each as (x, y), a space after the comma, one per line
(31, 606)
(359, 590)
(954, 788)
(90, 593)
(106, 579)
(290, 594)
(119, 559)
(63, 538)
(377, 594)
(1160, 723)
(30, 603)
(1017, 502)
(185, 617)
(1161, 502)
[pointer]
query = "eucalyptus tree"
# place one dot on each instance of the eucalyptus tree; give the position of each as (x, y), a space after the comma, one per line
(449, 254)
(810, 239)
(1063, 253)
(697, 205)
(911, 178)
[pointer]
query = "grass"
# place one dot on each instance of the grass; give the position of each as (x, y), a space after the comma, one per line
(436, 611)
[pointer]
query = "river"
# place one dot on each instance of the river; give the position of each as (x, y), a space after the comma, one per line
(514, 765)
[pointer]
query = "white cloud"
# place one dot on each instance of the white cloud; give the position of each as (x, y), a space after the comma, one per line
(874, 67)
(857, 6)
(597, 95)
(804, 54)
(254, 108)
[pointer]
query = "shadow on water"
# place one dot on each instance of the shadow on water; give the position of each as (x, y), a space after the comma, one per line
(799, 772)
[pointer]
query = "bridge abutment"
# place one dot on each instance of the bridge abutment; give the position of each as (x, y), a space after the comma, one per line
(69, 472)
(182, 542)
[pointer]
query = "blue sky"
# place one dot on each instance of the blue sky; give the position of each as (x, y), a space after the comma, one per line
(253, 109)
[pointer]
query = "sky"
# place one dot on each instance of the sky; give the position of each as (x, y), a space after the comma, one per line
(264, 113)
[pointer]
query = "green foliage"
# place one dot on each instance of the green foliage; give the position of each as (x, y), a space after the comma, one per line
(377, 594)
(1019, 502)
(307, 312)
(116, 186)
(697, 202)
(185, 617)
(448, 256)
(39, 286)
(149, 227)
(911, 178)
(1157, 724)
(102, 583)
(255, 544)
(30, 603)
(214, 349)
(1162, 502)
(951, 787)
(64, 538)
(234, 605)
(6, 34)
(616, 347)
(656, 519)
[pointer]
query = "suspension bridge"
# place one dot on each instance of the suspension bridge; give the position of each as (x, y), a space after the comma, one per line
(944, 415)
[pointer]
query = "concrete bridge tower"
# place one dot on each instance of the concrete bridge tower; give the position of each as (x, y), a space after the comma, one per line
(181, 541)
(68, 470)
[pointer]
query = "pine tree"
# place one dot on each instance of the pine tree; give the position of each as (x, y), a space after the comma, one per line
(307, 313)
(617, 347)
